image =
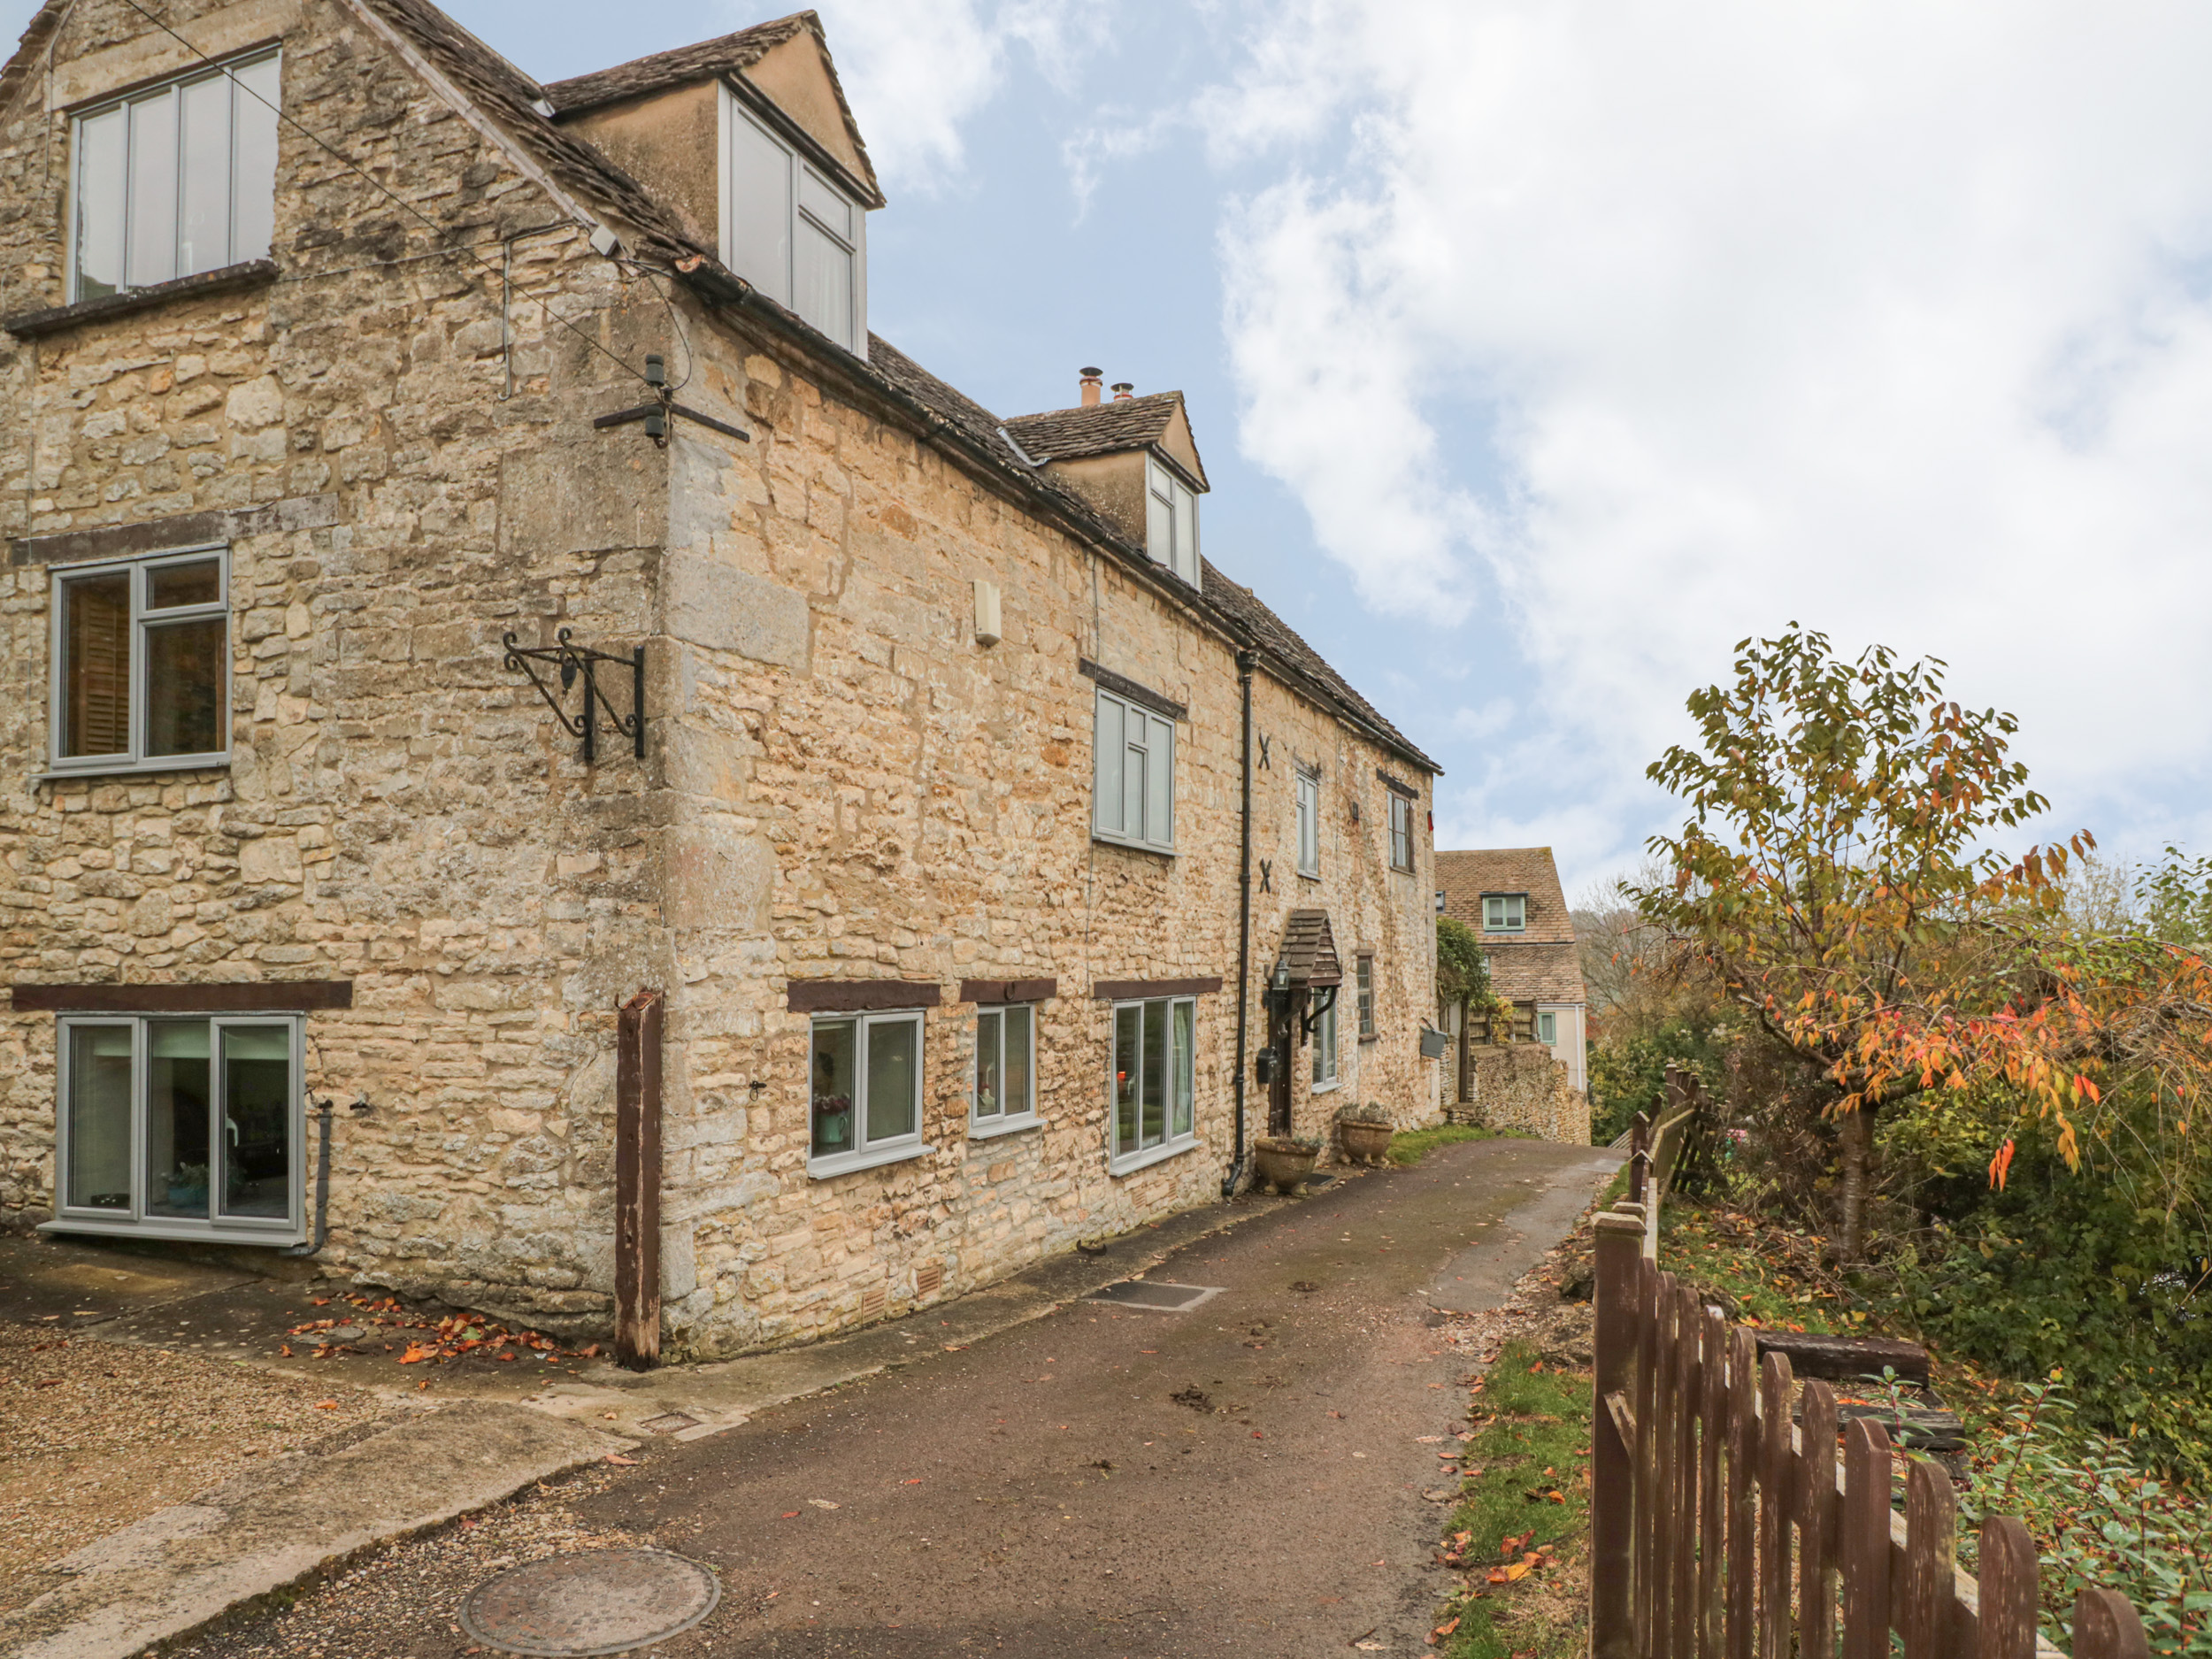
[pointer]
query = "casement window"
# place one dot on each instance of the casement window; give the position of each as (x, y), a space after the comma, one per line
(1324, 1045)
(1546, 1026)
(1400, 833)
(1005, 1068)
(142, 664)
(1504, 912)
(1171, 522)
(1133, 750)
(180, 1128)
(867, 1092)
(1309, 825)
(174, 180)
(790, 231)
(1365, 972)
(1152, 1080)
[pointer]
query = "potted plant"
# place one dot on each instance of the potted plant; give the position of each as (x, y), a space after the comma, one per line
(1363, 1133)
(188, 1187)
(1284, 1161)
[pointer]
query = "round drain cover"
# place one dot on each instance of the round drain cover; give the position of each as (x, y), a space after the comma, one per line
(590, 1601)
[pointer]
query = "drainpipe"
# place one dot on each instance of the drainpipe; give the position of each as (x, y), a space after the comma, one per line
(322, 1187)
(1246, 660)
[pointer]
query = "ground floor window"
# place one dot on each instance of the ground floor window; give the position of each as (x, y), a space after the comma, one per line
(1325, 1072)
(180, 1125)
(1153, 1078)
(1005, 1067)
(867, 1093)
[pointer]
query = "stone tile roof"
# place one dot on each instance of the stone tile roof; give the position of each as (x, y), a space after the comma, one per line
(1538, 965)
(1310, 948)
(1107, 428)
(1534, 973)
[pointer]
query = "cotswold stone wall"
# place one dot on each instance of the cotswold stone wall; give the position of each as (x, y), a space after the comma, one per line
(1519, 1086)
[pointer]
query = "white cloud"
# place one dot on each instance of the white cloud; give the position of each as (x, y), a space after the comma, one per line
(1666, 325)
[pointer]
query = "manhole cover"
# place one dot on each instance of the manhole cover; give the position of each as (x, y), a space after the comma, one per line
(590, 1601)
(1155, 1295)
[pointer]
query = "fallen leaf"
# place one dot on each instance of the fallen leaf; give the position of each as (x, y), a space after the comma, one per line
(915, 1482)
(822, 1503)
(620, 1461)
(788, 1515)
(326, 1405)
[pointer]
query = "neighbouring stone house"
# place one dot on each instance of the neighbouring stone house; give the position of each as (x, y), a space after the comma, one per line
(929, 828)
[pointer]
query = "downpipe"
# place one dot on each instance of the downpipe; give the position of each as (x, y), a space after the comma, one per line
(1246, 660)
(323, 1114)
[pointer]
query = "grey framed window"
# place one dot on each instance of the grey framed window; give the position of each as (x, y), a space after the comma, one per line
(179, 1126)
(1325, 1075)
(1400, 833)
(1504, 912)
(142, 664)
(790, 231)
(865, 1101)
(174, 180)
(1546, 1026)
(1364, 975)
(1133, 796)
(1151, 1080)
(1309, 824)
(1170, 520)
(1005, 1068)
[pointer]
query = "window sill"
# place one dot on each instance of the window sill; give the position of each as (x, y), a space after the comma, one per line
(1151, 1156)
(1329, 1087)
(980, 1131)
(875, 1158)
(1132, 846)
(136, 769)
(272, 1238)
(1310, 875)
(230, 279)
(1370, 1036)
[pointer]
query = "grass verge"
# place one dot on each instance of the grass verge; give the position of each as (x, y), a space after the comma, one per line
(1410, 1146)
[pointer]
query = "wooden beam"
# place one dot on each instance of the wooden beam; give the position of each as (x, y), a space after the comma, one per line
(224, 996)
(637, 1183)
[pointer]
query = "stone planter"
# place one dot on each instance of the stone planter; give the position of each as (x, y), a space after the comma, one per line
(1283, 1165)
(1363, 1142)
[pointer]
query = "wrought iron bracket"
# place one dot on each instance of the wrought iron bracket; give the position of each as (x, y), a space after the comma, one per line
(1321, 1005)
(573, 662)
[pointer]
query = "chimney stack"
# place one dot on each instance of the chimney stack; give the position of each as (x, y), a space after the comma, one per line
(1090, 388)
(1124, 390)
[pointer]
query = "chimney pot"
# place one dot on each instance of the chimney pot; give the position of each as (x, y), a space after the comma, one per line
(1090, 382)
(1124, 390)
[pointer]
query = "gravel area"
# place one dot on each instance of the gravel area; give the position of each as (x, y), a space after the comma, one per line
(101, 1434)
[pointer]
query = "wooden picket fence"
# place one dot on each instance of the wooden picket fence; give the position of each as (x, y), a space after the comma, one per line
(1721, 1531)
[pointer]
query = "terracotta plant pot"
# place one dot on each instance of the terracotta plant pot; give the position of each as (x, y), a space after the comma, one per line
(1283, 1165)
(1365, 1143)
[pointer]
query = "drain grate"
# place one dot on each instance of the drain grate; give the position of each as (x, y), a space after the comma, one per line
(590, 1601)
(670, 1422)
(1156, 1294)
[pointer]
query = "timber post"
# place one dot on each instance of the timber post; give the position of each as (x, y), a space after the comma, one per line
(637, 1183)
(1612, 1455)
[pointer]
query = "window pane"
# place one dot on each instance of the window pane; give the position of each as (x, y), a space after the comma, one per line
(1317, 1042)
(99, 1175)
(821, 199)
(1135, 764)
(257, 1146)
(990, 1082)
(892, 1064)
(1159, 815)
(1128, 1068)
(832, 1109)
(824, 277)
(198, 583)
(1106, 743)
(1185, 532)
(100, 196)
(96, 672)
(758, 197)
(153, 211)
(1019, 1083)
(254, 152)
(204, 216)
(1153, 1124)
(186, 685)
(1185, 1072)
(1159, 529)
(177, 1117)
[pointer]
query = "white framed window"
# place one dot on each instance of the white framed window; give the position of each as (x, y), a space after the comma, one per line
(1365, 972)
(1324, 1044)
(1005, 1070)
(1546, 1026)
(790, 231)
(1171, 523)
(1504, 912)
(1309, 824)
(179, 1126)
(1133, 753)
(142, 663)
(1400, 833)
(867, 1100)
(1150, 1081)
(174, 180)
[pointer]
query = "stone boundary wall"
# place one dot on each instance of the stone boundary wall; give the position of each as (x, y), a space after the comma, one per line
(1519, 1086)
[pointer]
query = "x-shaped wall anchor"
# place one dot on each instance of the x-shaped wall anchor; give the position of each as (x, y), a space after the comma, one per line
(1265, 868)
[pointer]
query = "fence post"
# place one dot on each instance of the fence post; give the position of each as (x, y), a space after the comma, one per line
(1647, 1437)
(1774, 1508)
(1689, 1385)
(1743, 1457)
(2107, 1626)
(2006, 1575)
(1865, 1552)
(1817, 1526)
(1712, 1434)
(1612, 1465)
(1930, 1554)
(1638, 1156)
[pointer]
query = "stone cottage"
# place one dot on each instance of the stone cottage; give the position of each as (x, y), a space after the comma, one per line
(470, 569)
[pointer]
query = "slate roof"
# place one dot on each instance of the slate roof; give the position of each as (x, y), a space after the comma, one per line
(1107, 428)
(1310, 948)
(1538, 965)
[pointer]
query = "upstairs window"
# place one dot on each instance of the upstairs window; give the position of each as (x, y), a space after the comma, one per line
(1309, 825)
(1504, 912)
(142, 664)
(1547, 1026)
(1400, 833)
(1170, 521)
(1366, 997)
(1135, 754)
(789, 231)
(175, 181)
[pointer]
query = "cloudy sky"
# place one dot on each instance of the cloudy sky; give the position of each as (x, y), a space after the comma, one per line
(1538, 351)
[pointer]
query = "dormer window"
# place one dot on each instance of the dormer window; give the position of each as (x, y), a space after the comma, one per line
(789, 230)
(1504, 912)
(1170, 521)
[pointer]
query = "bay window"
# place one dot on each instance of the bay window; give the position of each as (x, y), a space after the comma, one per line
(1151, 1080)
(142, 664)
(866, 1100)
